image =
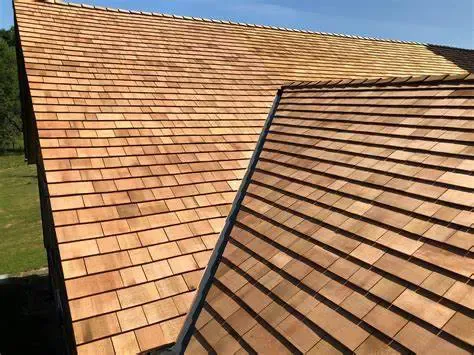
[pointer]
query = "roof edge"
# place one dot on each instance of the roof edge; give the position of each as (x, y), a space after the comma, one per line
(379, 81)
(201, 19)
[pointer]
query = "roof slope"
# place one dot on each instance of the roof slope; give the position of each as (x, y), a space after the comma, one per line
(355, 232)
(146, 124)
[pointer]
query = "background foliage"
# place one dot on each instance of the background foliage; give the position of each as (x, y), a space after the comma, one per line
(21, 244)
(10, 120)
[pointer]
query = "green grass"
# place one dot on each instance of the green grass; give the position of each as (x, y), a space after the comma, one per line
(21, 240)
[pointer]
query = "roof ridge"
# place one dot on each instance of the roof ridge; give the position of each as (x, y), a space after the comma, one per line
(192, 18)
(436, 78)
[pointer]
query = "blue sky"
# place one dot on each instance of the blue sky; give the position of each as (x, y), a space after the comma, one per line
(448, 22)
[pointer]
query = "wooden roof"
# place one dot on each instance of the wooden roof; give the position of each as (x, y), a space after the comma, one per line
(145, 124)
(355, 233)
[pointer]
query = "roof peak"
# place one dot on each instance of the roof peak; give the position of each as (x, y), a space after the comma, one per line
(384, 80)
(192, 18)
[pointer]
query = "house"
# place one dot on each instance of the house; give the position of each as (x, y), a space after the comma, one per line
(142, 126)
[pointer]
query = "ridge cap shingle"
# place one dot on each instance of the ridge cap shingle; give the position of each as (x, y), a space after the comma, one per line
(380, 81)
(285, 29)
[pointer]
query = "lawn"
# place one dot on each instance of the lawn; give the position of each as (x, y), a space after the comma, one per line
(21, 241)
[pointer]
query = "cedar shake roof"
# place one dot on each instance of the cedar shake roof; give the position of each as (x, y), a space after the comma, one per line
(352, 231)
(142, 126)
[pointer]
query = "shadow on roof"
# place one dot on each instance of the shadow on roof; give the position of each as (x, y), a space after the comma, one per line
(463, 58)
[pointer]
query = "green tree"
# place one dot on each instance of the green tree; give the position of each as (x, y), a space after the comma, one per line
(10, 120)
(8, 36)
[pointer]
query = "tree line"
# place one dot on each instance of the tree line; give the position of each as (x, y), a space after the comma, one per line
(10, 119)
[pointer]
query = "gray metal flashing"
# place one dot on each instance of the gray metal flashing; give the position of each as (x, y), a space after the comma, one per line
(187, 330)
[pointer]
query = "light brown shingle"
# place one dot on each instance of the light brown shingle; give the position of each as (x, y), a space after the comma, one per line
(368, 267)
(146, 141)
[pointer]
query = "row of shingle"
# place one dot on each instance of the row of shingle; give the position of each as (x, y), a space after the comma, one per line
(61, 2)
